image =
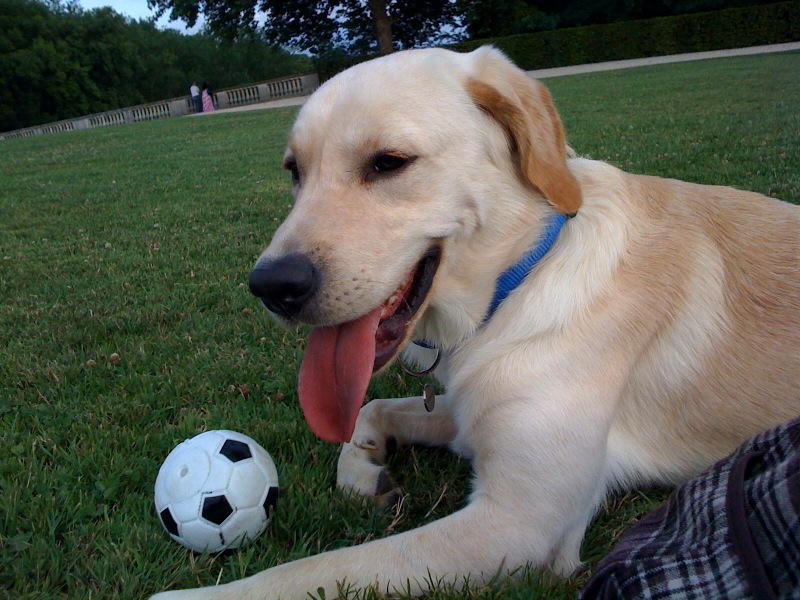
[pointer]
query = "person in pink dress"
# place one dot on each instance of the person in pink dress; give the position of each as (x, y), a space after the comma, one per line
(208, 100)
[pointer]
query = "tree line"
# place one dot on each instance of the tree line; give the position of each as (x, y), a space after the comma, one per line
(59, 61)
(368, 26)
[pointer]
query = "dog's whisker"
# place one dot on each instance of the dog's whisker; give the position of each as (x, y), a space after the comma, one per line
(404, 300)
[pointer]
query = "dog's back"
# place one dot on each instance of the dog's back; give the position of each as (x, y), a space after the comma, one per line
(715, 276)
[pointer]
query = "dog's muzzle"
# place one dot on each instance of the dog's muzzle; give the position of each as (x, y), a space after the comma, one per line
(285, 284)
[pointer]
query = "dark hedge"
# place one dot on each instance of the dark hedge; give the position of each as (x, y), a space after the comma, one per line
(698, 32)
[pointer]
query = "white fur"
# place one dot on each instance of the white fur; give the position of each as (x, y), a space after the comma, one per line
(657, 333)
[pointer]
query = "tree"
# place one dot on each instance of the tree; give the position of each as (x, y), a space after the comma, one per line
(316, 25)
(487, 18)
(58, 61)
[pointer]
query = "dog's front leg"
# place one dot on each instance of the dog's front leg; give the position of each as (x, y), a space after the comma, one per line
(467, 544)
(538, 482)
(381, 426)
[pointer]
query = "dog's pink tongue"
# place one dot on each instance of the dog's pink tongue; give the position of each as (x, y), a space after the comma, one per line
(334, 375)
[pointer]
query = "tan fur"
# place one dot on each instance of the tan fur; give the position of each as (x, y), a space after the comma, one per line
(660, 331)
(542, 157)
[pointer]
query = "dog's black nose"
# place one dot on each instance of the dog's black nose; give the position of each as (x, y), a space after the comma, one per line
(284, 284)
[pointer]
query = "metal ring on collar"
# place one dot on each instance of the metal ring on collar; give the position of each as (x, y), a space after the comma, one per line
(408, 370)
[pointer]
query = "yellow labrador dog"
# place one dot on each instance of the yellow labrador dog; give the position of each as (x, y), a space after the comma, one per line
(595, 330)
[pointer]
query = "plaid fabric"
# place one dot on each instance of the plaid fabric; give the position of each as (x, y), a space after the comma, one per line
(732, 532)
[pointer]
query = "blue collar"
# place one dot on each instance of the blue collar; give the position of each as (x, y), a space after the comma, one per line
(515, 274)
(510, 279)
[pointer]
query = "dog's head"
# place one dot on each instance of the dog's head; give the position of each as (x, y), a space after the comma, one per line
(404, 181)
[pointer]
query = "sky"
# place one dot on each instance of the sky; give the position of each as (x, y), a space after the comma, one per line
(138, 9)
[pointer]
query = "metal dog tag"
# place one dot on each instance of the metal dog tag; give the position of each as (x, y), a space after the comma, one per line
(428, 397)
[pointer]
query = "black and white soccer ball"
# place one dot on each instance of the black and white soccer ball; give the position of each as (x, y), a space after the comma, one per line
(216, 490)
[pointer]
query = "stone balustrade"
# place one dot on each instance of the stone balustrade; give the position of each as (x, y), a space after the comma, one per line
(285, 87)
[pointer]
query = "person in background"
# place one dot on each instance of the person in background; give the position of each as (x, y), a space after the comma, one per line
(208, 100)
(196, 101)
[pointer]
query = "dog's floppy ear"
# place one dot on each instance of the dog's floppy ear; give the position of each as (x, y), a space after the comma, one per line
(525, 109)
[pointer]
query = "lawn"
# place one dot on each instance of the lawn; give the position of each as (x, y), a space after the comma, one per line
(126, 324)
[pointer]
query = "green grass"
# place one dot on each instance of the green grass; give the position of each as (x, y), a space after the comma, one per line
(138, 240)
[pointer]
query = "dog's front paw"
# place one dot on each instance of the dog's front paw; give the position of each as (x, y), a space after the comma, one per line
(361, 470)
(229, 591)
(182, 595)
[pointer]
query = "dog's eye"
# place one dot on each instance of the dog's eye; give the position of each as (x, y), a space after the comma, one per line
(387, 163)
(291, 166)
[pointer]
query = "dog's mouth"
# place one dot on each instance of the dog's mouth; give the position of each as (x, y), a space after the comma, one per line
(399, 310)
(340, 360)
